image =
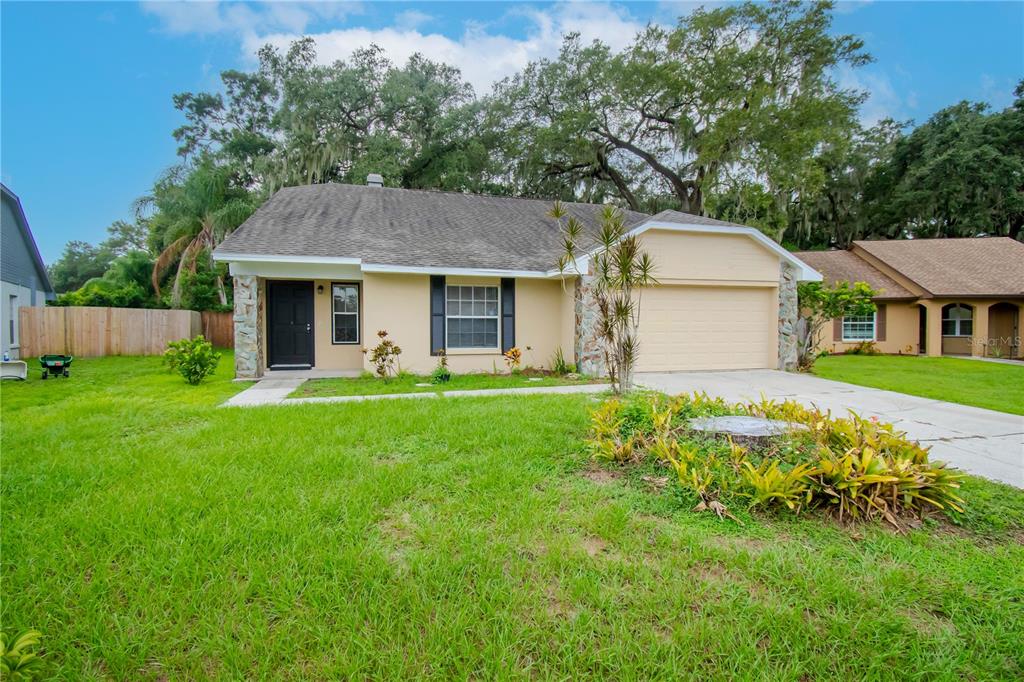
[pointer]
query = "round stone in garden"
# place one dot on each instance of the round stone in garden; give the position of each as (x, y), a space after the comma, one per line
(746, 428)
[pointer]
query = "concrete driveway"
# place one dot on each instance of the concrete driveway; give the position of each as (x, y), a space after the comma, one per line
(982, 442)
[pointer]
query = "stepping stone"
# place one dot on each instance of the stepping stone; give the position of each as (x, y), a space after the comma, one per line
(746, 430)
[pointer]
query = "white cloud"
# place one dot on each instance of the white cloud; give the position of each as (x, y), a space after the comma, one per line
(998, 93)
(245, 19)
(884, 100)
(850, 6)
(483, 52)
(411, 19)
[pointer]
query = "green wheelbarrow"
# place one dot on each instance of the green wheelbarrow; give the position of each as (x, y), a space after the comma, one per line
(55, 365)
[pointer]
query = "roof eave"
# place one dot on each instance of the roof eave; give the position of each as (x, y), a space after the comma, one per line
(222, 256)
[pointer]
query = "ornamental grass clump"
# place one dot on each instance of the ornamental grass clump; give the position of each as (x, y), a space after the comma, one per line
(852, 467)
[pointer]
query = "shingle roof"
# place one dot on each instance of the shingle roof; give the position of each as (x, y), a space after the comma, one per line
(980, 266)
(690, 219)
(844, 266)
(420, 228)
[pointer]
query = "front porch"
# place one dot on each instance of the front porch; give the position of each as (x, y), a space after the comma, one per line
(970, 327)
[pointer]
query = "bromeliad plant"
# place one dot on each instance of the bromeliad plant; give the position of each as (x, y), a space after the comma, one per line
(18, 661)
(610, 441)
(856, 468)
(618, 270)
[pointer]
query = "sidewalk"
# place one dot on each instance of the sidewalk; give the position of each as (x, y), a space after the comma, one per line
(275, 392)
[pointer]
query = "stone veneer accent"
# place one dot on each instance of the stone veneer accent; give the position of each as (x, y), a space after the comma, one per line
(248, 320)
(788, 313)
(589, 356)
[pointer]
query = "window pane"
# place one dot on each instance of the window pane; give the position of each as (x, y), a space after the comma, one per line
(478, 308)
(966, 327)
(346, 328)
(346, 298)
(859, 328)
(491, 308)
(492, 293)
(472, 333)
(948, 328)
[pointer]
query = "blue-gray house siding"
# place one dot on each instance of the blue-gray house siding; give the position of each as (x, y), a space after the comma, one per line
(23, 278)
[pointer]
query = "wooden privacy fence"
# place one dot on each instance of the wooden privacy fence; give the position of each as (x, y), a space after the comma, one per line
(219, 328)
(90, 331)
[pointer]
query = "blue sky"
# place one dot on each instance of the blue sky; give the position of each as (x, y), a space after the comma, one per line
(85, 88)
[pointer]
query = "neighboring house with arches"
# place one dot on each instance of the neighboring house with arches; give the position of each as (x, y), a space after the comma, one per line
(936, 296)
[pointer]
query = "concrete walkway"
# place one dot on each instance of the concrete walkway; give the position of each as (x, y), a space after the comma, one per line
(982, 442)
(275, 391)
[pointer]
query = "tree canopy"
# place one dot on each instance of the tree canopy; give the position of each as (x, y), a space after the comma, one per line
(733, 112)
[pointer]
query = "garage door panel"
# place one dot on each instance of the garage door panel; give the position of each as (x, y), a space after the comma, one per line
(692, 328)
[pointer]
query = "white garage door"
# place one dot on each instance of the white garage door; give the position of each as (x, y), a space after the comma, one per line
(689, 328)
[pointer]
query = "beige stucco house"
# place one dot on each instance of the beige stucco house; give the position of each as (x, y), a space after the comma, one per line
(937, 296)
(319, 269)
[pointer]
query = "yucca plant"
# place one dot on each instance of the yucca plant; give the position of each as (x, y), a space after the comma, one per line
(620, 270)
(17, 661)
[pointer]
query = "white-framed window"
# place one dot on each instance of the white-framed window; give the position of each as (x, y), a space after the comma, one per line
(471, 316)
(957, 320)
(859, 328)
(345, 313)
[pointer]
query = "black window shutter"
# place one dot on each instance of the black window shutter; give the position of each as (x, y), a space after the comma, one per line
(508, 313)
(436, 313)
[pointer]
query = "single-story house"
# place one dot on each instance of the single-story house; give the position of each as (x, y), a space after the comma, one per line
(319, 269)
(23, 277)
(936, 296)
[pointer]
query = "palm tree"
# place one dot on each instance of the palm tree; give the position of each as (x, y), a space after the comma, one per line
(194, 209)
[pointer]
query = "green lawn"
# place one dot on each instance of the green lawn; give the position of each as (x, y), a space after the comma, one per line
(151, 535)
(368, 384)
(991, 385)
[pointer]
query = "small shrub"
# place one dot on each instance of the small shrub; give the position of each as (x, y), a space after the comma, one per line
(194, 359)
(864, 348)
(441, 373)
(17, 660)
(384, 356)
(513, 356)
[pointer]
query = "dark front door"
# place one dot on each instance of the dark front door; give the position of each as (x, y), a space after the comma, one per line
(290, 324)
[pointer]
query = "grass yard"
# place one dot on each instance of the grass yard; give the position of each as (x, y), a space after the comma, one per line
(992, 385)
(150, 535)
(368, 384)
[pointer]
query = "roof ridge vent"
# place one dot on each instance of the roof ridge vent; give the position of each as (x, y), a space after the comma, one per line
(374, 180)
